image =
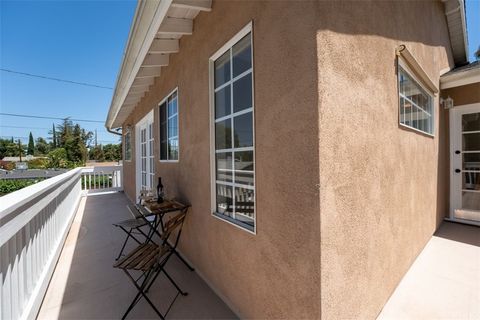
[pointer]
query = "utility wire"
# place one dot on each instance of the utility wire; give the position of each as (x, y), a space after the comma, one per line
(40, 128)
(56, 79)
(44, 117)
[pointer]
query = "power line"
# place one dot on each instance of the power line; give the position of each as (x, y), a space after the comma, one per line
(26, 138)
(40, 128)
(56, 79)
(44, 117)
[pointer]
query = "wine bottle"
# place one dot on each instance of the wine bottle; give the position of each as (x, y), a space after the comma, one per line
(159, 190)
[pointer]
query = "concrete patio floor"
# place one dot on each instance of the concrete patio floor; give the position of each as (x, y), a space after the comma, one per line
(85, 286)
(444, 280)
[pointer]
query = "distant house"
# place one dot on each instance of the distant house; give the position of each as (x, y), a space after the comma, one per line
(24, 158)
(316, 142)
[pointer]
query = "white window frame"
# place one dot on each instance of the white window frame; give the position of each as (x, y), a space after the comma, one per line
(145, 123)
(402, 64)
(159, 127)
(213, 181)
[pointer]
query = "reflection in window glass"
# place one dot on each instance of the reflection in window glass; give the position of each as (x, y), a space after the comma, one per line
(416, 110)
(169, 147)
(234, 151)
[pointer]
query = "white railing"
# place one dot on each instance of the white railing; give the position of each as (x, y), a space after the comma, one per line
(99, 179)
(34, 223)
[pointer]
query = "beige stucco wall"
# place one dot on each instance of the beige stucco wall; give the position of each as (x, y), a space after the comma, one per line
(340, 186)
(462, 95)
(383, 189)
(275, 273)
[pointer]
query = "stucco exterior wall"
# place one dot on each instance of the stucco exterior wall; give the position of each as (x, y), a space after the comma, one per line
(275, 273)
(383, 188)
(462, 95)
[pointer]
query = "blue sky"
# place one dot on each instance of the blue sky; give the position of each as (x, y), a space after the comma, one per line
(75, 40)
(81, 41)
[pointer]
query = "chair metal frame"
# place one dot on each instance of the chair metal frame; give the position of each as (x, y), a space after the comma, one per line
(133, 227)
(140, 259)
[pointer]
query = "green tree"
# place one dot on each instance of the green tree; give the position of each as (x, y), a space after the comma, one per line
(477, 54)
(54, 137)
(96, 153)
(41, 147)
(112, 152)
(58, 158)
(75, 146)
(31, 145)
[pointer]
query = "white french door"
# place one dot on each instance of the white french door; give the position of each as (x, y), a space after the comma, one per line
(465, 163)
(145, 160)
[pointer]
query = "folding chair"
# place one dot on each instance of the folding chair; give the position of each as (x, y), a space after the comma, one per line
(150, 259)
(133, 226)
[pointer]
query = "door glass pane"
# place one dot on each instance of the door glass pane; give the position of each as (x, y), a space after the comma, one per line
(243, 130)
(224, 199)
(222, 102)
(471, 122)
(471, 141)
(471, 161)
(224, 166)
(244, 205)
(222, 69)
(223, 134)
(242, 56)
(242, 93)
(470, 200)
(244, 167)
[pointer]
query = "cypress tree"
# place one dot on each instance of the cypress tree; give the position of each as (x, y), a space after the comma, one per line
(31, 145)
(54, 137)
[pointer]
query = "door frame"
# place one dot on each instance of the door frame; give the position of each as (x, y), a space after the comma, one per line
(455, 139)
(148, 118)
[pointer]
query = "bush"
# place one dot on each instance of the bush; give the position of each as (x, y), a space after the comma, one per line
(58, 158)
(7, 165)
(7, 186)
(39, 163)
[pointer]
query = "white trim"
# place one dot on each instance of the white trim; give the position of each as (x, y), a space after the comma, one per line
(147, 119)
(248, 29)
(124, 84)
(460, 78)
(456, 159)
(160, 124)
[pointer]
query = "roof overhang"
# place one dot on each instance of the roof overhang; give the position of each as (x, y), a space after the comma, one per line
(154, 35)
(461, 77)
(457, 29)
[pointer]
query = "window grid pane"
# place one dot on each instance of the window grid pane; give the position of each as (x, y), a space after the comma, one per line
(415, 104)
(169, 146)
(233, 118)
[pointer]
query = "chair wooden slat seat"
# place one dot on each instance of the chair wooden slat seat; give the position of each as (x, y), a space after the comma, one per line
(142, 258)
(131, 223)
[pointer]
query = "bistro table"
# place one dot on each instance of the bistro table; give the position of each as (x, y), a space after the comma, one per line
(159, 211)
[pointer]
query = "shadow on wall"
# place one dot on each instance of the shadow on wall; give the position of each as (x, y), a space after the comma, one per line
(382, 18)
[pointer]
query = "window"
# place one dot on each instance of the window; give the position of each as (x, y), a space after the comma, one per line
(233, 160)
(128, 145)
(169, 128)
(416, 104)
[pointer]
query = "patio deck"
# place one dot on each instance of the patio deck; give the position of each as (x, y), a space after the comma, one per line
(444, 280)
(86, 286)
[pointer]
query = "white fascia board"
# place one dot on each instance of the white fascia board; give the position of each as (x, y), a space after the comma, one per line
(148, 17)
(460, 78)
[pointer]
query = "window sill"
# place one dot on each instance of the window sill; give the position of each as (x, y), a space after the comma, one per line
(408, 128)
(168, 161)
(236, 223)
